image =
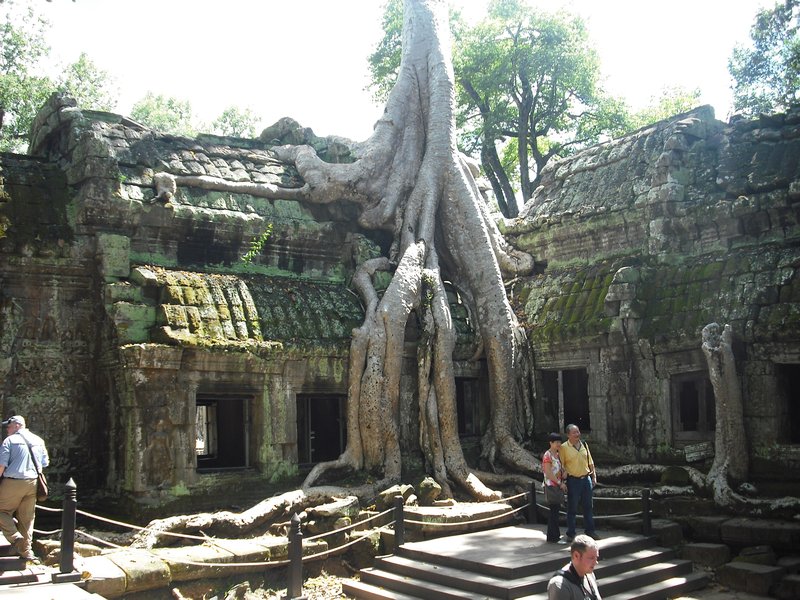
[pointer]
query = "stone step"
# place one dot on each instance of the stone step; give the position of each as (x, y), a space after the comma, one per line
(16, 576)
(642, 576)
(415, 588)
(11, 563)
(47, 591)
(365, 591)
(668, 588)
(521, 566)
(457, 578)
(516, 563)
(659, 590)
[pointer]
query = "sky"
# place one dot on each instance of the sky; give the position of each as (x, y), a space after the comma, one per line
(307, 59)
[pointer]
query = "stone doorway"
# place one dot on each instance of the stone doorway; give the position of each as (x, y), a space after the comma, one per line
(788, 382)
(221, 431)
(321, 427)
(693, 408)
(468, 407)
(567, 390)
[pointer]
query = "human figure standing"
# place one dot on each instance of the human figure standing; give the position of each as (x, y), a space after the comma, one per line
(18, 486)
(581, 480)
(554, 486)
(576, 580)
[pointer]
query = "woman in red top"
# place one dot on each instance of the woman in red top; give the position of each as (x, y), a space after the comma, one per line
(554, 486)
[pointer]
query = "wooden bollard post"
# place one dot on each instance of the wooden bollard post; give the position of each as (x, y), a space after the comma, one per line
(399, 523)
(69, 510)
(647, 524)
(533, 511)
(294, 588)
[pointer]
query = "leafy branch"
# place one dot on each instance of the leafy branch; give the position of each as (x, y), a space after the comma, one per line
(257, 245)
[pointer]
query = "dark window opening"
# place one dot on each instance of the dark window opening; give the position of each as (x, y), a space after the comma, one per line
(568, 391)
(221, 431)
(321, 428)
(693, 409)
(468, 407)
(550, 403)
(575, 387)
(788, 382)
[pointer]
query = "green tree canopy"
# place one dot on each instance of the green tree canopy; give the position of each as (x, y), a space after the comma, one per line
(673, 100)
(237, 122)
(528, 90)
(22, 93)
(23, 90)
(766, 73)
(89, 85)
(165, 114)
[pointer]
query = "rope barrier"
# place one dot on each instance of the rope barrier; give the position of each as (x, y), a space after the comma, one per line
(470, 522)
(42, 532)
(636, 514)
(337, 549)
(49, 509)
(101, 540)
(137, 527)
(508, 499)
(348, 527)
(272, 563)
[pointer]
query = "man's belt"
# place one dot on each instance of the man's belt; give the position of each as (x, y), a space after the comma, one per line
(574, 477)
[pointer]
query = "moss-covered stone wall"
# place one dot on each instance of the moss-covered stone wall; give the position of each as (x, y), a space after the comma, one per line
(645, 240)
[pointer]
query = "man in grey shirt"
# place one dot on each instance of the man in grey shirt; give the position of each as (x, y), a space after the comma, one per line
(18, 485)
(576, 581)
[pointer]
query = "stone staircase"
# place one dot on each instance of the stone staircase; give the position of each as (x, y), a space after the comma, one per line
(488, 565)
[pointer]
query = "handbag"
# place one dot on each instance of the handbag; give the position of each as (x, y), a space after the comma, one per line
(42, 491)
(553, 495)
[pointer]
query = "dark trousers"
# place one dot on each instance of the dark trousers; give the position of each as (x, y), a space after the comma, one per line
(553, 532)
(579, 491)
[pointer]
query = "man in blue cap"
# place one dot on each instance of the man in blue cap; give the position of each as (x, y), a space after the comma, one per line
(22, 455)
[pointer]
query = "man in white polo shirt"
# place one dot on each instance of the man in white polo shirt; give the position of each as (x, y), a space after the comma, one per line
(18, 484)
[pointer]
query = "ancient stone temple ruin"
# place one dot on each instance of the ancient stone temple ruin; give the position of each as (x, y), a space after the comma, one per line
(157, 330)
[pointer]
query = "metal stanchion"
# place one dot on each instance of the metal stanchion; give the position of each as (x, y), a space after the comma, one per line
(399, 523)
(67, 573)
(533, 511)
(294, 588)
(647, 525)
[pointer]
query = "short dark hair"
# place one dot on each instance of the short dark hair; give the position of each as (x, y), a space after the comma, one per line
(554, 437)
(582, 543)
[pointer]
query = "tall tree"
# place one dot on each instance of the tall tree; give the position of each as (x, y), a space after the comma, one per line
(165, 114)
(766, 73)
(527, 85)
(22, 92)
(237, 122)
(532, 77)
(411, 182)
(670, 102)
(91, 86)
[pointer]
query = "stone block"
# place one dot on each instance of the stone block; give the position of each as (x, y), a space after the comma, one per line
(788, 588)
(791, 564)
(669, 533)
(707, 555)
(113, 252)
(781, 535)
(198, 562)
(749, 577)
(762, 555)
(143, 570)
(106, 579)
